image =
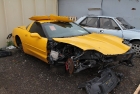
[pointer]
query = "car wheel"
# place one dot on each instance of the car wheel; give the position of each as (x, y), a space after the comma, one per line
(19, 43)
(20, 47)
(69, 66)
(136, 48)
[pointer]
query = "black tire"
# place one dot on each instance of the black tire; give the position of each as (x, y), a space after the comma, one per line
(136, 48)
(20, 47)
(19, 44)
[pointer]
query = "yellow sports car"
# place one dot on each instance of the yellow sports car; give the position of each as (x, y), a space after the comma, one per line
(56, 39)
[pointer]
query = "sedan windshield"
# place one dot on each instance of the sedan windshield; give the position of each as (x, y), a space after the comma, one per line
(63, 29)
(124, 23)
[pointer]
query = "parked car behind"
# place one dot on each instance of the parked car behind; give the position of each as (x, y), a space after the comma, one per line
(112, 25)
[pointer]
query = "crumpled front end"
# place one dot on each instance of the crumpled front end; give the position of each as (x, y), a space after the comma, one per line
(103, 43)
(88, 51)
(126, 58)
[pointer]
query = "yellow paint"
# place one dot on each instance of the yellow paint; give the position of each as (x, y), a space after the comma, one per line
(106, 44)
(33, 44)
(38, 18)
(36, 45)
(51, 17)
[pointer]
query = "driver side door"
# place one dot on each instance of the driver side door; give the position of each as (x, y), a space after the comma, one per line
(36, 41)
(109, 26)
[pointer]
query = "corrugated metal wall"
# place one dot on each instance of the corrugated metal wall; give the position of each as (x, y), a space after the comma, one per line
(14, 13)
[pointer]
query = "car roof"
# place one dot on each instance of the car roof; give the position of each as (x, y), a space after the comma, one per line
(51, 18)
(100, 16)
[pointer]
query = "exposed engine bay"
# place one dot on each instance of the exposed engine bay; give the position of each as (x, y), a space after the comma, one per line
(76, 60)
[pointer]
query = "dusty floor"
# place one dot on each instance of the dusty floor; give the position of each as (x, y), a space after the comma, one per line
(24, 74)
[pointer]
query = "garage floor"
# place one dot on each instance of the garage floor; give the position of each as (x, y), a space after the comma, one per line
(24, 74)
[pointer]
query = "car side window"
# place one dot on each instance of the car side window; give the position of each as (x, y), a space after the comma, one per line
(108, 23)
(90, 21)
(36, 28)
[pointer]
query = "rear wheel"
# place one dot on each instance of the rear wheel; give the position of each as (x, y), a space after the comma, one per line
(136, 48)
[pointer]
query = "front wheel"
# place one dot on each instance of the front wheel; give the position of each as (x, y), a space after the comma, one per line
(136, 48)
(69, 65)
(19, 44)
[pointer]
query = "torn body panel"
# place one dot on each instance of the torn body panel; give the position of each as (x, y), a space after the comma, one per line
(98, 42)
(77, 59)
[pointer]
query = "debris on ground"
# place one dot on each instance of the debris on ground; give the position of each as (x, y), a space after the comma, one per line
(25, 74)
(11, 47)
(103, 85)
(4, 53)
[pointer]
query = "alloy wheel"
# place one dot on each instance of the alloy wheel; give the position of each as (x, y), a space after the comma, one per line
(136, 48)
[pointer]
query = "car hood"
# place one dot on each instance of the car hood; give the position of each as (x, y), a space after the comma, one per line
(106, 44)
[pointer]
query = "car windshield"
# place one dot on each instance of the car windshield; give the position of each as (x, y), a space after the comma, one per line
(64, 29)
(124, 23)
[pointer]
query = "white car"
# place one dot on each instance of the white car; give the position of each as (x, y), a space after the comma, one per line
(112, 25)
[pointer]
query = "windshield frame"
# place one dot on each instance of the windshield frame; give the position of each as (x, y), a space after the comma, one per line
(124, 24)
(50, 37)
(120, 24)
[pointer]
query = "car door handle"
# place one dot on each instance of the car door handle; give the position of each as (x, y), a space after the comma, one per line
(101, 31)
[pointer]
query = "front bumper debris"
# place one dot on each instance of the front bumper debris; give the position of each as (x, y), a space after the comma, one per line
(103, 85)
(109, 79)
(126, 59)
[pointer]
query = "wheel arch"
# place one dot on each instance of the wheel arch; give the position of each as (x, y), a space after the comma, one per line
(134, 40)
(17, 40)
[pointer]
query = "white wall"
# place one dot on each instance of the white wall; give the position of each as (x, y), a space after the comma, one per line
(123, 8)
(15, 13)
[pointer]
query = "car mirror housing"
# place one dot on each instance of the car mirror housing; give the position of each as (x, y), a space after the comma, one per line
(35, 35)
(22, 27)
(118, 28)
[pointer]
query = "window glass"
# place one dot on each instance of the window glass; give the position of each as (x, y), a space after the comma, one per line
(90, 21)
(36, 28)
(124, 24)
(84, 22)
(114, 25)
(108, 23)
(63, 29)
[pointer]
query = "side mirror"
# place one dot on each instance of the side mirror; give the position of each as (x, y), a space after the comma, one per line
(117, 28)
(35, 35)
(22, 27)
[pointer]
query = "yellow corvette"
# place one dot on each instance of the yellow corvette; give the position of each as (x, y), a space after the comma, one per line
(56, 39)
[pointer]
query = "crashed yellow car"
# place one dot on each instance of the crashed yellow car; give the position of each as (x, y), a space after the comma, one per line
(56, 39)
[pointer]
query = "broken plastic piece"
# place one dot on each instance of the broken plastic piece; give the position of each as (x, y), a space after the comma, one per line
(11, 47)
(54, 55)
(4, 53)
(108, 81)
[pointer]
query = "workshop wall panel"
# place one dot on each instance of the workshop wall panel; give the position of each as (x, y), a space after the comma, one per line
(15, 13)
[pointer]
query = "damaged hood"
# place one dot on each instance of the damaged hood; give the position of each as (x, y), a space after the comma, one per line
(106, 44)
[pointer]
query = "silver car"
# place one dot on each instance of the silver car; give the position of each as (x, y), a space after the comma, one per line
(112, 25)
